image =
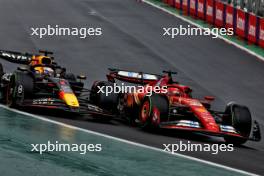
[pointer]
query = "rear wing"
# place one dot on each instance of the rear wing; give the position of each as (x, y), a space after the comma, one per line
(16, 57)
(131, 76)
(22, 58)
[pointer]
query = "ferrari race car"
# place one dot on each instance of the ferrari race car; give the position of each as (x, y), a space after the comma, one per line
(173, 107)
(41, 83)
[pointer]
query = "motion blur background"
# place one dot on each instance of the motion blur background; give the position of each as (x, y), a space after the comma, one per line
(254, 6)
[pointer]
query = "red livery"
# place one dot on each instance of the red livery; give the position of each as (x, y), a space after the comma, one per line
(174, 108)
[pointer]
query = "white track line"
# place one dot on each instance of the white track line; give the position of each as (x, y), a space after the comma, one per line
(199, 26)
(126, 141)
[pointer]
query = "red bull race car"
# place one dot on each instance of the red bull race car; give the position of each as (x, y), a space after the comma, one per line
(41, 83)
(160, 102)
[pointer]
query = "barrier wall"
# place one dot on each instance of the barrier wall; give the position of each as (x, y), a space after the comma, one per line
(193, 7)
(261, 32)
(185, 6)
(230, 17)
(201, 9)
(219, 14)
(170, 2)
(252, 28)
(210, 11)
(241, 23)
(178, 4)
(246, 25)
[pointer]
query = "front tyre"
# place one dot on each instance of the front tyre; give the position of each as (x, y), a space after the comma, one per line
(105, 100)
(239, 117)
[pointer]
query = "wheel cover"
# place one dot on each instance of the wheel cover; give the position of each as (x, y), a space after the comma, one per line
(144, 114)
(155, 120)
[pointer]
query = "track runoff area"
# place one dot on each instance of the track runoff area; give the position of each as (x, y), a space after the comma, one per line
(22, 136)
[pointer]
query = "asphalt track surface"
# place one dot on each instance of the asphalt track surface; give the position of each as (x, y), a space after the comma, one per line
(132, 39)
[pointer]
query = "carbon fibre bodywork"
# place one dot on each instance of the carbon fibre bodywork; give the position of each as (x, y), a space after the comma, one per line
(31, 87)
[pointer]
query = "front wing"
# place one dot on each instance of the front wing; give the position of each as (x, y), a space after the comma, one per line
(191, 126)
(57, 104)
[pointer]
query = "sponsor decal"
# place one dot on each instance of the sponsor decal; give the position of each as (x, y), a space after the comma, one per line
(43, 101)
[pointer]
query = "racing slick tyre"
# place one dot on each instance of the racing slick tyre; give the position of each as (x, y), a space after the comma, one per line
(127, 109)
(1, 70)
(152, 109)
(20, 87)
(105, 100)
(240, 118)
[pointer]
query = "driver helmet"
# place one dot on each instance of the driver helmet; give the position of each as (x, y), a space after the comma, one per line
(48, 71)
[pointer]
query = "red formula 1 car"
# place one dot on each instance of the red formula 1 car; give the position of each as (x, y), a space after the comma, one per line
(167, 104)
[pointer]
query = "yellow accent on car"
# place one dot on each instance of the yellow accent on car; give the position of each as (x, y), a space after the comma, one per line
(71, 100)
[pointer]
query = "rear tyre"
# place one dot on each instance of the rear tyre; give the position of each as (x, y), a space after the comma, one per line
(21, 86)
(153, 110)
(1, 70)
(240, 118)
(127, 108)
(102, 99)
